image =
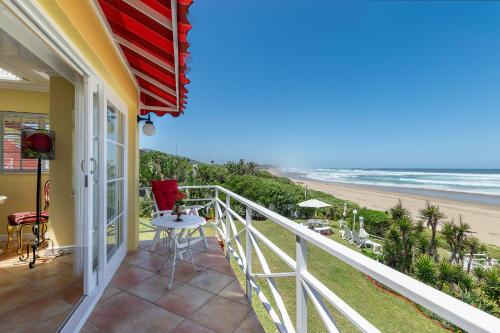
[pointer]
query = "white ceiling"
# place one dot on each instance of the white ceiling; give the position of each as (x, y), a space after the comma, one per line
(18, 60)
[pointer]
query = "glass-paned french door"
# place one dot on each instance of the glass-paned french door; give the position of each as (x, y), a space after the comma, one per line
(115, 211)
(105, 171)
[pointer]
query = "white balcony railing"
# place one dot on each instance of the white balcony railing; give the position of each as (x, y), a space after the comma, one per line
(307, 285)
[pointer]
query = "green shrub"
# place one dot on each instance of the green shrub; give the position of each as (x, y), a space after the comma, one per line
(425, 269)
(376, 222)
(491, 284)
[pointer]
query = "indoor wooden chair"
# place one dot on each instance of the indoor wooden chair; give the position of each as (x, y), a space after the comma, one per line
(21, 220)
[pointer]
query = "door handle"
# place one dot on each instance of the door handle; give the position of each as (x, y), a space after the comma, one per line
(94, 165)
(81, 166)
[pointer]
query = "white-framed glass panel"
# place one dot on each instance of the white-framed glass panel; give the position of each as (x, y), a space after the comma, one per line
(115, 178)
(11, 124)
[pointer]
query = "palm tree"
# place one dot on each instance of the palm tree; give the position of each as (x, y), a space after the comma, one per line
(398, 211)
(455, 236)
(431, 215)
(399, 243)
(473, 246)
(463, 229)
(405, 227)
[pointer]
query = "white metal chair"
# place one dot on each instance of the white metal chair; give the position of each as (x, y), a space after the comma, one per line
(190, 211)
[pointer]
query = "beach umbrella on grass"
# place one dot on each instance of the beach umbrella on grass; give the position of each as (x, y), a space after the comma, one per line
(313, 203)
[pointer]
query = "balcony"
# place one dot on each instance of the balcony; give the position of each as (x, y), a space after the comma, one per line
(137, 299)
(255, 275)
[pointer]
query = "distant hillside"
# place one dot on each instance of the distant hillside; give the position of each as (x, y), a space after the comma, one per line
(146, 150)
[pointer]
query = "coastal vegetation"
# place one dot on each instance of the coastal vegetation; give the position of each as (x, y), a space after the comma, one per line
(417, 247)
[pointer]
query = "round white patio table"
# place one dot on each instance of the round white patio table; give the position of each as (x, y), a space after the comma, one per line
(2, 200)
(178, 242)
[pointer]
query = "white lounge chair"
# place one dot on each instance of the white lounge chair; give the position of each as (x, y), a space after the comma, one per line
(356, 240)
(362, 242)
(346, 233)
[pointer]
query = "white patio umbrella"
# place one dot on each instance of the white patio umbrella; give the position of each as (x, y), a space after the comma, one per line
(314, 203)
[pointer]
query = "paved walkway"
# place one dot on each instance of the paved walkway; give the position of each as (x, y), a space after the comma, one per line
(137, 299)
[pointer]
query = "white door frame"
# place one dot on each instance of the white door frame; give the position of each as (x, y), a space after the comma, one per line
(33, 16)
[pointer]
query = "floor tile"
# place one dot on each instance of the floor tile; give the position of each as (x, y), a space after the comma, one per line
(41, 271)
(110, 291)
(184, 271)
(224, 268)
(208, 259)
(153, 263)
(234, 292)
(185, 300)
(251, 324)
(117, 309)
(48, 326)
(189, 326)
(59, 281)
(211, 281)
(18, 294)
(72, 294)
(138, 299)
(137, 257)
(67, 259)
(88, 327)
(37, 311)
(128, 275)
(214, 315)
(152, 319)
(153, 288)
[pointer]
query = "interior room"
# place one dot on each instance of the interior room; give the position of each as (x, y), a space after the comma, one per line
(37, 92)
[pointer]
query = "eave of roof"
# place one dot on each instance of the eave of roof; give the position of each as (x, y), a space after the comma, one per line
(152, 36)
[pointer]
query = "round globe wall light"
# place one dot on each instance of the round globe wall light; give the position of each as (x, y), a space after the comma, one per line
(148, 128)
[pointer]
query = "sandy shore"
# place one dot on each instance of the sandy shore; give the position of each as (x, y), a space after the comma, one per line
(484, 219)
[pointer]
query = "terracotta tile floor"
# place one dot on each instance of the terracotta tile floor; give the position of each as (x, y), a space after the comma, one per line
(137, 299)
(39, 299)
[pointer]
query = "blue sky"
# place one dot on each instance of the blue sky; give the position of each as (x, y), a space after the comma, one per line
(341, 84)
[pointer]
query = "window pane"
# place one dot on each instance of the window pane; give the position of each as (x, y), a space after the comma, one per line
(115, 161)
(12, 151)
(114, 124)
(115, 193)
(95, 248)
(30, 164)
(120, 230)
(12, 126)
(111, 239)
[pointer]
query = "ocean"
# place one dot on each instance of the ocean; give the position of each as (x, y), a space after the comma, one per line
(468, 181)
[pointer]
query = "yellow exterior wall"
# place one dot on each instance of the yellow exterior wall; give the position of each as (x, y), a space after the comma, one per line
(81, 25)
(20, 187)
(62, 199)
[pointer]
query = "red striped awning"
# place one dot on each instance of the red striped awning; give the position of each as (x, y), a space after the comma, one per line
(152, 35)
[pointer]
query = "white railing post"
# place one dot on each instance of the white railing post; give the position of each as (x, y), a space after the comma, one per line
(216, 203)
(228, 227)
(301, 292)
(248, 254)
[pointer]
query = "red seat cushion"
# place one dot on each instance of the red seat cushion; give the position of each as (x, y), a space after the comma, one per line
(166, 193)
(27, 217)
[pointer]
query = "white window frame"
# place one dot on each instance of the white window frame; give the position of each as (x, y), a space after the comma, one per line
(5, 114)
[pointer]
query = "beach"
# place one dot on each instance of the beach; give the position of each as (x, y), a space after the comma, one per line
(484, 219)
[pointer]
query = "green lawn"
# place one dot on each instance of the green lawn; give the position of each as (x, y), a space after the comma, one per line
(383, 310)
